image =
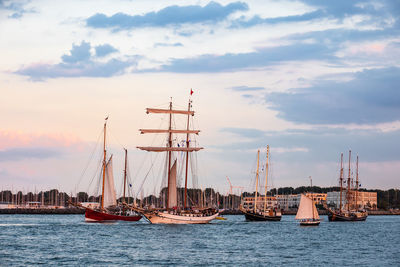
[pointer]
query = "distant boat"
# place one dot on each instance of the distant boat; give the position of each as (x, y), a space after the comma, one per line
(307, 213)
(109, 210)
(350, 212)
(265, 212)
(173, 213)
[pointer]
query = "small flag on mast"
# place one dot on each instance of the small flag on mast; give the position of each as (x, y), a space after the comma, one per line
(191, 91)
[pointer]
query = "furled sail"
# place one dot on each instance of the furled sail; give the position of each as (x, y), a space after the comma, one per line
(144, 131)
(169, 111)
(110, 198)
(307, 209)
(172, 195)
(163, 149)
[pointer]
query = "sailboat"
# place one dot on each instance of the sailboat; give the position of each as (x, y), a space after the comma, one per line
(108, 210)
(172, 213)
(265, 212)
(307, 213)
(350, 212)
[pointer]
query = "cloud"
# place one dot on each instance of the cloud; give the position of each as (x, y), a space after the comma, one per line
(104, 50)
(372, 12)
(246, 88)
(373, 96)
(168, 44)
(16, 154)
(78, 53)
(16, 7)
(242, 22)
(172, 15)
(245, 132)
(80, 63)
(319, 144)
(261, 58)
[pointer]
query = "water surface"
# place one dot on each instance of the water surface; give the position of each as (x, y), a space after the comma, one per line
(68, 240)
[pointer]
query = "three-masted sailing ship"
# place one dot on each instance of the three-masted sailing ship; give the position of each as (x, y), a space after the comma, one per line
(262, 212)
(351, 211)
(172, 213)
(108, 209)
(307, 213)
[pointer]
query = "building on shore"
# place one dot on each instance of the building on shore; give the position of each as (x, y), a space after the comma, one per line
(286, 202)
(365, 200)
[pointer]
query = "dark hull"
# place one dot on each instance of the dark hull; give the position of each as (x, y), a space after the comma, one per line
(337, 217)
(313, 223)
(97, 216)
(250, 216)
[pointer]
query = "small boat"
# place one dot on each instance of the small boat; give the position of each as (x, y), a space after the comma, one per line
(109, 210)
(307, 213)
(172, 212)
(351, 212)
(265, 213)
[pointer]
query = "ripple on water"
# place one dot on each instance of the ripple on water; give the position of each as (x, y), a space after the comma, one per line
(68, 240)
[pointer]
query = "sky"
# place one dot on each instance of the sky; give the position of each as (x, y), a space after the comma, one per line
(311, 79)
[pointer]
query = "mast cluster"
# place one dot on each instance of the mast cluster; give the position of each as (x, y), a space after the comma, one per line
(351, 190)
(169, 148)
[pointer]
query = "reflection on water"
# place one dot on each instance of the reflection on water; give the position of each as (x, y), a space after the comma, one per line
(68, 240)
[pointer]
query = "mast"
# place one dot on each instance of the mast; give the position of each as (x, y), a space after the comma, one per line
(169, 145)
(187, 156)
(126, 156)
(341, 182)
(104, 165)
(266, 179)
(312, 197)
(348, 184)
(255, 199)
(357, 184)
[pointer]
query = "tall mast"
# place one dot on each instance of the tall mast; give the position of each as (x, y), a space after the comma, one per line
(341, 181)
(187, 157)
(357, 184)
(266, 179)
(312, 197)
(169, 152)
(255, 200)
(348, 184)
(104, 165)
(126, 156)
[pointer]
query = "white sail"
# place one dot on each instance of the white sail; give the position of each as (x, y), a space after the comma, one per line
(172, 195)
(110, 198)
(307, 209)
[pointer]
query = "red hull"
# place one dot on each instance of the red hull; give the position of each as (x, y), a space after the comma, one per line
(97, 216)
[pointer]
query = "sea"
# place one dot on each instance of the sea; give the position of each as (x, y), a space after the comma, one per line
(60, 240)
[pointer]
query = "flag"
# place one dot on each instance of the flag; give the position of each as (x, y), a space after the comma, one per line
(191, 91)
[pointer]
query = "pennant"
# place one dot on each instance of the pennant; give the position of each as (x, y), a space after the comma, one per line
(191, 91)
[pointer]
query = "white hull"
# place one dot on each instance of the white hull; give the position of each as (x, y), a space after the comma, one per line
(167, 218)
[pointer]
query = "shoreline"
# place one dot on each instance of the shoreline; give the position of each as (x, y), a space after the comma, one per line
(70, 211)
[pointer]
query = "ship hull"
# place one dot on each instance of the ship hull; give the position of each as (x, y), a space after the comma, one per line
(310, 223)
(167, 218)
(337, 217)
(97, 216)
(250, 216)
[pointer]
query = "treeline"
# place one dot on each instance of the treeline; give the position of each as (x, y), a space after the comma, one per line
(387, 199)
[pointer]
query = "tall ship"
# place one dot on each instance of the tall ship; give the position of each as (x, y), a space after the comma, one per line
(307, 213)
(108, 209)
(261, 212)
(350, 211)
(172, 212)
